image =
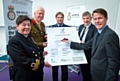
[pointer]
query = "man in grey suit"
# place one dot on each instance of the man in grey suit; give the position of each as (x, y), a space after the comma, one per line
(86, 31)
(105, 49)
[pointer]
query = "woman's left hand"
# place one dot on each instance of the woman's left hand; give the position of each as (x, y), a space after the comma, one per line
(45, 53)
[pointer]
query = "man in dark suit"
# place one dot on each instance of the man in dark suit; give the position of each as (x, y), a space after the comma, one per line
(105, 49)
(60, 18)
(86, 32)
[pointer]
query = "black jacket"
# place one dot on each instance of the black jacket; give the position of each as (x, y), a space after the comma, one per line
(27, 57)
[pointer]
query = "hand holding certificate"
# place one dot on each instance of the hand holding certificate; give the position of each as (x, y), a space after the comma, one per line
(66, 40)
(59, 51)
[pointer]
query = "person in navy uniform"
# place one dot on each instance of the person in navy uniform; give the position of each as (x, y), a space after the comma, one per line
(28, 59)
(60, 18)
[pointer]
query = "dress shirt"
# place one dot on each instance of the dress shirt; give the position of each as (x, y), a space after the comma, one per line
(85, 33)
(60, 25)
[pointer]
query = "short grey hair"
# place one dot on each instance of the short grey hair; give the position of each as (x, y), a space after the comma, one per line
(39, 8)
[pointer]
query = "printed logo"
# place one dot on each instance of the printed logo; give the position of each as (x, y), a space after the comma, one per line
(64, 60)
(62, 30)
(11, 14)
(69, 16)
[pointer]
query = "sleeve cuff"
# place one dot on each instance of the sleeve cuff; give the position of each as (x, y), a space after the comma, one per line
(35, 65)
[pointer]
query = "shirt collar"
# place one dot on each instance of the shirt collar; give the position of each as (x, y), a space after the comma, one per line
(22, 34)
(36, 21)
(88, 25)
(60, 24)
(100, 31)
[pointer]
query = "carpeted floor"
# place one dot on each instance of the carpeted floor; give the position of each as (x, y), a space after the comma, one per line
(72, 76)
(4, 74)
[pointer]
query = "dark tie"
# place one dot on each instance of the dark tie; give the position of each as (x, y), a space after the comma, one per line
(98, 34)
(82, 34)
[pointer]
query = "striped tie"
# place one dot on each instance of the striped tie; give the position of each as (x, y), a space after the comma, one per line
(82, 34)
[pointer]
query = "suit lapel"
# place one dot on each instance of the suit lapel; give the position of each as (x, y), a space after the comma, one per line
(36, 26)
(98, 41)
(57, 25)
(80, 30)
(95, 46)
(88, 33)
(63, 25)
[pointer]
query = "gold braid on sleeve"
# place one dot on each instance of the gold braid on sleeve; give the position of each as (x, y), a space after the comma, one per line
(35, 65)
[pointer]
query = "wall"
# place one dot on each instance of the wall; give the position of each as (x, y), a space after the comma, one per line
(2, 41)
(53, 6)
(1, 14)
(2, 31)
(118, 22)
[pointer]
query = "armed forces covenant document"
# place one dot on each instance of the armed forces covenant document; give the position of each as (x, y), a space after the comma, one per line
(59, 53)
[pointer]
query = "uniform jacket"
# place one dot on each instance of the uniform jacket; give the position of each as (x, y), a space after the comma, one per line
(27, 57)
(105, 55)
(37, 34)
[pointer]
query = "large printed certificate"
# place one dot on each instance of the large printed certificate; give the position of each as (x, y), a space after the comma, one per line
(60, 52)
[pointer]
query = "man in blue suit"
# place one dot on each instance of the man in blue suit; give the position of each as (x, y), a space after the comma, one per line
(105, 58)
(60, 18)
(86, 32)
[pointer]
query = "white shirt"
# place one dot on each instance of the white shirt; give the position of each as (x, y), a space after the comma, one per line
(85, 34)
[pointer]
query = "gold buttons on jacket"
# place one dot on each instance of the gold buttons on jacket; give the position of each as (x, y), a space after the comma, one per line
(33, 52)
(39, 57)
(38, 52)
(36, 55)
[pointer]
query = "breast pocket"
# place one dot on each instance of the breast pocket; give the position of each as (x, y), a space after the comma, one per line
(35, 34)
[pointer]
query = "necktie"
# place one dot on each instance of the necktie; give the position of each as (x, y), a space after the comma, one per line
(82, 34)
(98, 34)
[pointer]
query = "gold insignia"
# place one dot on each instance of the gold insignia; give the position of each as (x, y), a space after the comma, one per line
(33, 52)
(36, 55)
(35, 65)
(38, 52)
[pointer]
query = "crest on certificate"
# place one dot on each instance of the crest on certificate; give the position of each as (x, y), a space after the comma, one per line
(62, 30)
